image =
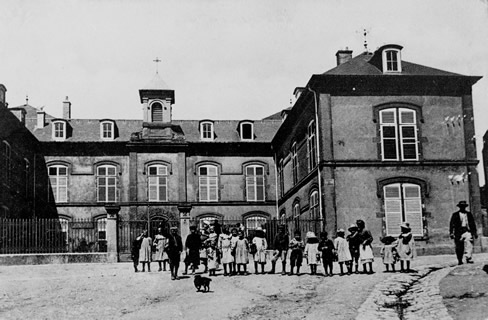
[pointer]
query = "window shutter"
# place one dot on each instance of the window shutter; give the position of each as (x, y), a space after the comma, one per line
(413, 208)
(393, 209)
(250, 188)
(157, 112)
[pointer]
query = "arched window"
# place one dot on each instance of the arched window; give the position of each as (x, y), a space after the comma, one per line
(208, 183)
(58, 177)
(158, 182)
(314, 205)
(294, 162)
(399, 136)
(403, 203)
(7, 158)
(255, 183)
(253, 222)
(157, 112)
(106, 183)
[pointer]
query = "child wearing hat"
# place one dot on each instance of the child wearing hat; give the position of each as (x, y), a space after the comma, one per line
(296, 256)
(343, 253)
(354, 240)
(406, 247)
(312, 252)
(389, 252)
(326, 246)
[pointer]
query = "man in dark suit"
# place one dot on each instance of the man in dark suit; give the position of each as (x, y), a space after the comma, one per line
(459, 220)
(175, 246)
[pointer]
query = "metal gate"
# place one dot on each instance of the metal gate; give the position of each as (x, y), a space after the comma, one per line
(131, 229)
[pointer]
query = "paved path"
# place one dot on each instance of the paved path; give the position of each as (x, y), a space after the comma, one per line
(410, 296)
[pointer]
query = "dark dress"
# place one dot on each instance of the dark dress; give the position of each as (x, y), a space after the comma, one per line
(134, 250)
(354, 240)
(175, 246)
(193, 244)
(327, 249)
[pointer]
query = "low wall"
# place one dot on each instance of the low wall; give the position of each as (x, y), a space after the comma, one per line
(52, 258)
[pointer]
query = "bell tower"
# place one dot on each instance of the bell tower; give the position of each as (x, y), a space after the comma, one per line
(157, 101)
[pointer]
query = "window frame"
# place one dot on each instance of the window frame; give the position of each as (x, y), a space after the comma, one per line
(211, 181)
(402, 202)
(157, 185)
(55, 188)
(294, 162)
(106, 178)
(204, 131)
(400, 140)
(312, 145)
(281, 177)
(390, 64)
(255, 183)
(111, 131)
(56, 130)
(153, 105)
(241, 130)
(7, 152)
(314, 205)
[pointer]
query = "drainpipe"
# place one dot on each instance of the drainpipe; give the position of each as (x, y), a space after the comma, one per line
(317, 136)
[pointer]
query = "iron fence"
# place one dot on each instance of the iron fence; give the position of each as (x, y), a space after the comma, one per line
(18, 236)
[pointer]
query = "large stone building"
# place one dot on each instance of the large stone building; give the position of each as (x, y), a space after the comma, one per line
(380, 139)
(375, 138)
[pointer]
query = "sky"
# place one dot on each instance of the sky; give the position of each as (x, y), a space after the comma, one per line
(224, 59)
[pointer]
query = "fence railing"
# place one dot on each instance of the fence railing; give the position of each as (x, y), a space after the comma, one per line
(52, 236)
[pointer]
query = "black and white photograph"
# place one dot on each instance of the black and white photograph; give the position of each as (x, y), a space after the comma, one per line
(244, 159)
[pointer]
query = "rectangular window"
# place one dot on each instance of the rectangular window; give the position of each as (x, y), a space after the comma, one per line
(403, 203)
(59, 130)
(294, 162)
(208, 183)
(311, 146)
(58, 177)
(158, 183)
(255, 183)
(281, 178)
(247, 131)
(107, 130)
(398, 131)
(107, 184)
(206, 130)
(391, 60)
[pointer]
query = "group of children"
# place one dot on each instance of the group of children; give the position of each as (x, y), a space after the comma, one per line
(231, 249)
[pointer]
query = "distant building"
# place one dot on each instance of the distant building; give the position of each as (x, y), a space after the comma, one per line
(23, 173)
(380, 139)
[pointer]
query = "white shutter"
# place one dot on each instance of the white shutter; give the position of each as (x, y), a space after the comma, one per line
(393, 209)
(413, 208)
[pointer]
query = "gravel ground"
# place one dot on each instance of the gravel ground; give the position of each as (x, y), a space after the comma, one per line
(114, 291)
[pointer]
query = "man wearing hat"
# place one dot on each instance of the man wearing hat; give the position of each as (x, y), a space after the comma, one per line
(281, 242)
(459, 220)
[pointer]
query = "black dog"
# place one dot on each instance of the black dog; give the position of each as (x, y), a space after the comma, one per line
(204, 282)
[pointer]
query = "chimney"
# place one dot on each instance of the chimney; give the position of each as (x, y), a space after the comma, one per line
(297, 92)
(66, 109)
(19, 113)
(343, 56)
(41, 119)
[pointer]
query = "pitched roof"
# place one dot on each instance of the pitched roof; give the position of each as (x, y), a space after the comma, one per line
(88, 130)
(156, 83)
(365, 64)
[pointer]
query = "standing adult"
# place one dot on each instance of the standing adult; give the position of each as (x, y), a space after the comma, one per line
(145, 252)
(160, 243)
(192, 245)
(281, 242)
(136, 246)
(459, 220)
(365, 249)
(175, 246)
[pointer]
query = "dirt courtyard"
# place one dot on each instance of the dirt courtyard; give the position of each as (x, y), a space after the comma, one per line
(114, 291)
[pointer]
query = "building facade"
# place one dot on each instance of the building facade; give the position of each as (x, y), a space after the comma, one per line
(380, 139)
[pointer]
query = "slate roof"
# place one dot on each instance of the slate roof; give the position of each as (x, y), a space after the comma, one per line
(88, 130)
(365, 64)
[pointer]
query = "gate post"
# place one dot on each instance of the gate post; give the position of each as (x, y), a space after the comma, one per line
(184, 221)
(111, 232)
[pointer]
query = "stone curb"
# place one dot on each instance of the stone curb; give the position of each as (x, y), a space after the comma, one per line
(408, 296)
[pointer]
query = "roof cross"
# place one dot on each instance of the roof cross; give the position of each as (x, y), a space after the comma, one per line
(157, 60)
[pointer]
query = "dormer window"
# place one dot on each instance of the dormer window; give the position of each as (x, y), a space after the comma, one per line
(392, 61)
(207, 131)
(107, 130)
(246, 131)
(59, 130)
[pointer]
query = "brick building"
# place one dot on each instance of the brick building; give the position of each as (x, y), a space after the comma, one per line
(380, 139)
